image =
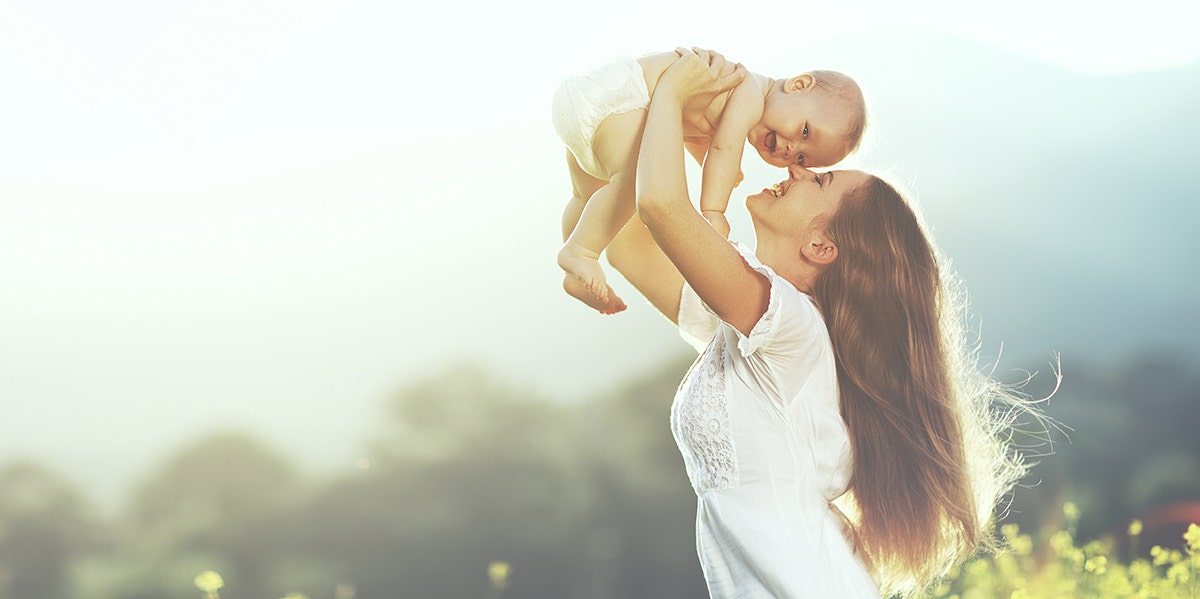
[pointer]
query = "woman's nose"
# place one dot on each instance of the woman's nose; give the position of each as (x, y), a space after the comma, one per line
(795, 171)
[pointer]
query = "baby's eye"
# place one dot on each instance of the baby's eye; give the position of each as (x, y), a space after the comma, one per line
(800, 160)
(804, 133)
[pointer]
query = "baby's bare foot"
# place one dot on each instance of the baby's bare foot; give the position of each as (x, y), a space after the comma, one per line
(576, 289)
(584, 265)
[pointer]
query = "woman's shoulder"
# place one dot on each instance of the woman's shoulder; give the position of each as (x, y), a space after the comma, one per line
(777, 281)
(791, 316)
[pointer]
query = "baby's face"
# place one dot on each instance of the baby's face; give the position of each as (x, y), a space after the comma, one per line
(808, 128)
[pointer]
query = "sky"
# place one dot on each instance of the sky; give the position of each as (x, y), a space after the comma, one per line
(269, 215)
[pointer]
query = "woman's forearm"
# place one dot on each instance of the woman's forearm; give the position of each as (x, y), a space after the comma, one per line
(702, 256)
(661, 181)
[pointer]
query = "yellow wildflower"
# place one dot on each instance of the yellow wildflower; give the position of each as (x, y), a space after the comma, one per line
(1096, 565)
(1115, 586)
(1135, 527)
(1140, 571)
(1061, 541)
(1010, 530)
(209, 581)
(976, 570)
(1192, 536)
(498, 574)
(1075, 556)
(1095, 548)
(1178, 573)
(1022, 545)
(1071, 511)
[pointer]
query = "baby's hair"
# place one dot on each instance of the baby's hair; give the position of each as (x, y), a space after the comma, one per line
(845, 88)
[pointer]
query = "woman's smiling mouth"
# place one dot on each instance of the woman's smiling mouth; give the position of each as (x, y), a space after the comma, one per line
(780, 188)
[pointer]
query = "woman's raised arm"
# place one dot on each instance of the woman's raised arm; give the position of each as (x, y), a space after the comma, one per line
(709, 263)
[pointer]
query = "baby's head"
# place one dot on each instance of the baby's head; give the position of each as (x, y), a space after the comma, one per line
(814, 119)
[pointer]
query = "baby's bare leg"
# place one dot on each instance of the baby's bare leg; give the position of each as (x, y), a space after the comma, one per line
(583, 187)
(579, 257)
(609, 207)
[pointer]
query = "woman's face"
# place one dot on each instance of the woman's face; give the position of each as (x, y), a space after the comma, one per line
(790, 209)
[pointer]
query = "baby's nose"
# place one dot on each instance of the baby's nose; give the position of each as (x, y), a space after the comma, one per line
(789, 150)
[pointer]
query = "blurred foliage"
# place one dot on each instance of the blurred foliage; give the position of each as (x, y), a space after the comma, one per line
(1064, 568)
(1132, 447)
(474, 479)
(44, 524)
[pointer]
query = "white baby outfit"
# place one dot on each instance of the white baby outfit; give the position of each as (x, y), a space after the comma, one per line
(757, 421)
(581, 102)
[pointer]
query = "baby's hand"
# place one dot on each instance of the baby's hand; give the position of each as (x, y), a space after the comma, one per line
(718, 221)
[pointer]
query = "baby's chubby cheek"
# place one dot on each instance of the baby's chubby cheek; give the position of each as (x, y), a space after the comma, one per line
(772, 160)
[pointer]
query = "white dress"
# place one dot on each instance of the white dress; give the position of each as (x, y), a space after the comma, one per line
(757, 421)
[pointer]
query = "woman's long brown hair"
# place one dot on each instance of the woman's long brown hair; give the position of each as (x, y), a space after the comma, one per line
(929, 468)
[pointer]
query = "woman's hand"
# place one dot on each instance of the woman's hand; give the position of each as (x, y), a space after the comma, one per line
(697, 77)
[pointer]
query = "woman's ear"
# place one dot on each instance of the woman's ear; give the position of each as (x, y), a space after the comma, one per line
(802, 82)
(820, 250)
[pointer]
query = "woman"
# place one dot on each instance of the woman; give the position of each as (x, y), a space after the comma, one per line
(830, 371)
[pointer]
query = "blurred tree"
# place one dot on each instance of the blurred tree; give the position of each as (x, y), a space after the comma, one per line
(641, 542)
(469, 470)
(221, 504)
(44, 525)
(587, 499)
(1131, 448)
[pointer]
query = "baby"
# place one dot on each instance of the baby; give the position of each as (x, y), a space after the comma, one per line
(813, 119)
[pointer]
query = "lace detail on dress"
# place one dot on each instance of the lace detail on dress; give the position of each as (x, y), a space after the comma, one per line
(700, 423)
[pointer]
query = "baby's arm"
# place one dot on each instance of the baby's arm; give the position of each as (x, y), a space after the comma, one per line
(722, 166)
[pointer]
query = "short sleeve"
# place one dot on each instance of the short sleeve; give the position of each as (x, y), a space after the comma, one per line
(789, 312)
(697, 324)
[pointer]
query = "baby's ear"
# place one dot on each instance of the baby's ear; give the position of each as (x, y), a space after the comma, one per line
(801, 82)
